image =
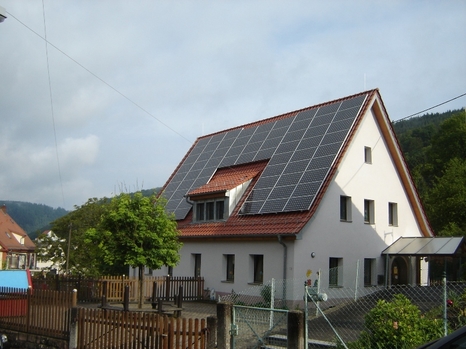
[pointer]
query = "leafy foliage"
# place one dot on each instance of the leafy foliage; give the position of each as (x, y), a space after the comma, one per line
(136, 231)
(434, 147)
(84, 258)
(398, 324)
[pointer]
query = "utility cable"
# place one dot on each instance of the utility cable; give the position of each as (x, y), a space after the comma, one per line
(103, 81)
(51, 105)
(435, 106)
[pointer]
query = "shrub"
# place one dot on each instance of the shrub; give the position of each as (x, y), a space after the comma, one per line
(398, 324)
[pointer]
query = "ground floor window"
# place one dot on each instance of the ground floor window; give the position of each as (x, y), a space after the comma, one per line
(258, 268)
(197, 265)
(369, 266)
(230, 267)
(335, 271)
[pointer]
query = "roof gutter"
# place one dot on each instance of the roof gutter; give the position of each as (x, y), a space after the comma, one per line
(285, 257)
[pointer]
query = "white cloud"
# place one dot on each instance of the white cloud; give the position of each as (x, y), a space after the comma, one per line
(197, 67)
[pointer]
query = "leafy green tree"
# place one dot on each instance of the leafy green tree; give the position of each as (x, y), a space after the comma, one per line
(83, 258)
(448, 143)
(136, 231)
(397, 324)
(445, 202)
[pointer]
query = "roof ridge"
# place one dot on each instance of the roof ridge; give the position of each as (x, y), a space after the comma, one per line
(288, 114)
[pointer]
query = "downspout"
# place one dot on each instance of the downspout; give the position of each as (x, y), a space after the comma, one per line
(285, 257)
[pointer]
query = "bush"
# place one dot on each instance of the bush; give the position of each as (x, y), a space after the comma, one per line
(398, 324)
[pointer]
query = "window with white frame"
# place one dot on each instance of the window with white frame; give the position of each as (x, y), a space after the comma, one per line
(345, 208)
(369, 211)
(211, 210)
(393, 214)
(368, 155)
(230, 267)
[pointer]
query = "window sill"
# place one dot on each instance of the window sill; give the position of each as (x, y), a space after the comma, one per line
(369, 223)
(255, 283)
(335, 286)
(228, 281)
(345, 221)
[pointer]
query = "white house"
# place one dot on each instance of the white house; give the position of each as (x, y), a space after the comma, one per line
(321, 188)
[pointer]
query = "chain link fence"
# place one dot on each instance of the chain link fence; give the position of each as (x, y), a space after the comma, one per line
(341, 318)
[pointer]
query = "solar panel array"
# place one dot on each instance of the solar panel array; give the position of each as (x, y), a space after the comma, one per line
(301, 149)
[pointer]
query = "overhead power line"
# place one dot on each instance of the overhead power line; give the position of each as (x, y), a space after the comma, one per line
(435, 106)
(102, 80)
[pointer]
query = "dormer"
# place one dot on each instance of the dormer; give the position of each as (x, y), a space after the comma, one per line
(216, 200)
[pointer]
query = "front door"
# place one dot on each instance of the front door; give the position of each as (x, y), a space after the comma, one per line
(399, 271)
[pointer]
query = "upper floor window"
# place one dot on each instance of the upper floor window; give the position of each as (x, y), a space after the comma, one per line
(345, 208)
(368, 155)
(392, 213)
(369, 211)
(213, 210)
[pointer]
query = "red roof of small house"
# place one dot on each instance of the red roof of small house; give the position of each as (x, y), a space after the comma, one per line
(228, 178)
(12, 236)
(290, 159)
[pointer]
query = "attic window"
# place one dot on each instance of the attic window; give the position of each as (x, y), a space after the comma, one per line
(368, 155)
(209, 210)
(8, 234)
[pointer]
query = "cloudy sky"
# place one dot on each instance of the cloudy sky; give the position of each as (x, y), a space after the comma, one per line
(123, 88)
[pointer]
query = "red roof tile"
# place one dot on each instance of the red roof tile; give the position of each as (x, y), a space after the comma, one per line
(230, 177)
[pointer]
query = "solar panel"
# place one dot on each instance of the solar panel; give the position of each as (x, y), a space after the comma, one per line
(300, 148)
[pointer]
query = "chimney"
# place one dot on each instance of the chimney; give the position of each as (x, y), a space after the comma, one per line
(4, 208)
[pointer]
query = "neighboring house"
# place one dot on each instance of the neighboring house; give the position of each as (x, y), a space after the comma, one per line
(321, 188)
(16, 248)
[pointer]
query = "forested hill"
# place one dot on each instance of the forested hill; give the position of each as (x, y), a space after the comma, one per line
(434, 146)
(33, 218)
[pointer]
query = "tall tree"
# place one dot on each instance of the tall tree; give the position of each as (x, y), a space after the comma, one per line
(136, 231)
(82, 258)
(446, 200)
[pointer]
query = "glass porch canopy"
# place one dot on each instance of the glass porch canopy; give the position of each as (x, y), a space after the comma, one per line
(425, 246)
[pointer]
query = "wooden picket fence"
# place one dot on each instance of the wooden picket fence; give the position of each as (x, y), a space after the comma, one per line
(99, 328)
(90, 290)
(40, 312)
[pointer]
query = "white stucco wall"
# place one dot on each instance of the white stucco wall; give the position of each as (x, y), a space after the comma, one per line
(325, 234)
(328, 237)
(213, 263)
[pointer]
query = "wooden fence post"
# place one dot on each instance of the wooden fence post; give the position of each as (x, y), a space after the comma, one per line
(154, 295)
(28, 308)
(224, 311)
(167, 287)
(73, 341)
(296, 329)
(104, 293)
(126, 299)
(200, 290)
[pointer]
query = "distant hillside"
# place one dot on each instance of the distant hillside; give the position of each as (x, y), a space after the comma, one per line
(33, 218)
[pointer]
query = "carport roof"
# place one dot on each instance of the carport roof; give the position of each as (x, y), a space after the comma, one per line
(425, 246)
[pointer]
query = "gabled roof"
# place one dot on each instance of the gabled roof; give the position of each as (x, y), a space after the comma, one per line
(12, 236)
(301, 151)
